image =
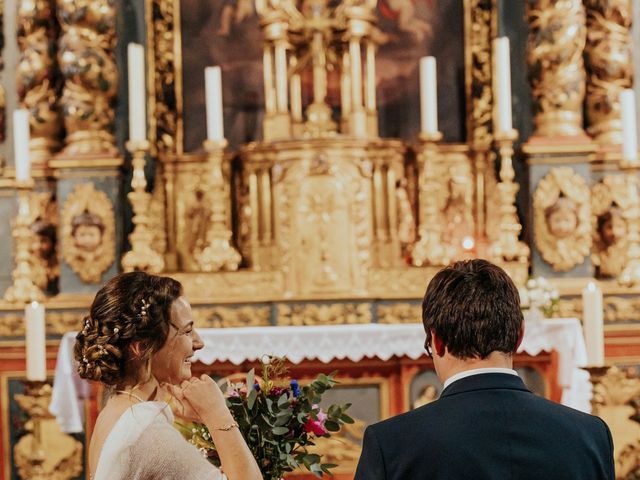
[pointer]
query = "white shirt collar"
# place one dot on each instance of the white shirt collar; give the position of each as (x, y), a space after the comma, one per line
(477, 371)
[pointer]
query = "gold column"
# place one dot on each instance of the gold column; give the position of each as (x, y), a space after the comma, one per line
(345, 92)
(280, 57)
(609, 64)
(254, 241)
(295, 92)
(219, 254)
(265, 207)
(557, 36)
(370, 90)
(508, 248)
(141, 256)
(358, 114)
(37, 80)
(269, 88)
(90, 75)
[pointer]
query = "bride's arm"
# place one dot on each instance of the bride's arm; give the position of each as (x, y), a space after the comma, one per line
(207, 400)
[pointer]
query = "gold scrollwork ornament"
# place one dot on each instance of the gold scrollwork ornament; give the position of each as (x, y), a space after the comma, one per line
(88, 232)
(562, 218)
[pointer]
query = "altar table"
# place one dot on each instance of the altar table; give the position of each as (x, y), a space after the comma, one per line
(326, 343)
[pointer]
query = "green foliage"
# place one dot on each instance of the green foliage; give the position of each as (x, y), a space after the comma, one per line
(279, 421)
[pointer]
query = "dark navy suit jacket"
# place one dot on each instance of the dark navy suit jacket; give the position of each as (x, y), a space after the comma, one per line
(488, 426)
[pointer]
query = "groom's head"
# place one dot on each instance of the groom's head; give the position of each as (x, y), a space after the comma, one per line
(473, 308)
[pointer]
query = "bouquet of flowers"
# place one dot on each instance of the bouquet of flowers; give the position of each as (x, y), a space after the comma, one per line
(539, 294)
(279, 420)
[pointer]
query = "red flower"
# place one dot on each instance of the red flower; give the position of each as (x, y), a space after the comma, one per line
(315, 426)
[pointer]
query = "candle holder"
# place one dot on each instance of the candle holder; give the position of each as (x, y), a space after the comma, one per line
(630, 275)
(508, 247)
(23, 289)
(219, 254)
(35, 403)
(429, 249)
(141, 256)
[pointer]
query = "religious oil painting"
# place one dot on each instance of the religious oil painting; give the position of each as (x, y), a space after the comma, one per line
(227, 33)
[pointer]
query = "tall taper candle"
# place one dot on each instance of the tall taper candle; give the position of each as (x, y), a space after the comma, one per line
(21, 145)
(502, 85)
(137, 93)
(629, 128)
(213, 92)
(428, 96)
(35, 335)
(593, 324)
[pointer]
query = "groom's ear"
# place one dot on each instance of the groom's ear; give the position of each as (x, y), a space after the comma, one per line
(520, 336)
(439, 346)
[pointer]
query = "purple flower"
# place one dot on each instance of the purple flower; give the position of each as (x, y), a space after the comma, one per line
(295, 388)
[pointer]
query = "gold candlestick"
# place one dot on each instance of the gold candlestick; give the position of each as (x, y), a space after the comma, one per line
(23, 290)
(429, 250)
(141, 256)
(508, 247)
(35, 403)
(219, 254)
(630, 275)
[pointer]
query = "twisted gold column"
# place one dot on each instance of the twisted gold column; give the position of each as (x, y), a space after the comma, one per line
(90, 76)
(609, 65)
(557, 36)
(37, 76)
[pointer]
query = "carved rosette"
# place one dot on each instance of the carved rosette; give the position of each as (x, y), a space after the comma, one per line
(37, 76)
(562, 218)
(609, 200)
(557, 36)
(43, 218)
(87, 62)
(609, 65)
(88, 232)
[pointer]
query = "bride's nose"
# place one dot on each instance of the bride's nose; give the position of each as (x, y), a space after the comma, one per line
(197, 341)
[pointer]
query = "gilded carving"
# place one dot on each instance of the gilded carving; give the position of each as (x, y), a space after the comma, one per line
(58, 323)
(62, 454)
(630, 275)
(44, 225)
(232, 285)
(478, 74)
(562, 218)
(3, 101)
(37, 76)
(224, 317)
(324, 314)
(88, 232)
(609, 63)
(404, 282)
(399, 313)
(87, 62)
(165, 68)
(609, 202)
(557, 36)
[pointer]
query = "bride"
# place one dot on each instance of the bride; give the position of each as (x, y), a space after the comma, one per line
(138, 339)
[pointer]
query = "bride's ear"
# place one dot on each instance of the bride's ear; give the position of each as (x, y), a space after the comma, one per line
(137, 349)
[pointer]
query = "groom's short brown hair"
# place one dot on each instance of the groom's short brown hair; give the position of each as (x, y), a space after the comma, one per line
(474, 307)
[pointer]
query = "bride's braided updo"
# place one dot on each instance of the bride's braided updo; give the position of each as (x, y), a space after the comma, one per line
(131, 307)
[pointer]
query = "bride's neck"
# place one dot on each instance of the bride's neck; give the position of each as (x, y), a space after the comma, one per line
(150, 390)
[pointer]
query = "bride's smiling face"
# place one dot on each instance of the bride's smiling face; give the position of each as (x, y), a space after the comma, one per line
(172, 363)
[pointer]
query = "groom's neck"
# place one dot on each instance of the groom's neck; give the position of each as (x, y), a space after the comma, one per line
(449, 365)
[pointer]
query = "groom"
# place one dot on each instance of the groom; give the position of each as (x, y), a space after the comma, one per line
(486, 424)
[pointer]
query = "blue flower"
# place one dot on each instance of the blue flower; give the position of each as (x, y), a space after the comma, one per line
(295, 388)
(256, 387)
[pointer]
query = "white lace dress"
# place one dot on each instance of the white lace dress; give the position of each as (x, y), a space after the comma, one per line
(144, 445)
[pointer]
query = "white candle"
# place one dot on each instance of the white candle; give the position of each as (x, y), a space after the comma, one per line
(213, 92)
(21, 145)
(593, 324)
(137, 92)
(35, 339)
(428, 96)
(629, 129)
(502, 85)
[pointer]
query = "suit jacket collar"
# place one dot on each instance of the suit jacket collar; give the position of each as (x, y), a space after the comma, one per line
(485, 381)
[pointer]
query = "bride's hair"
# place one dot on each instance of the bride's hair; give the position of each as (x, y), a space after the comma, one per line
(131, 307)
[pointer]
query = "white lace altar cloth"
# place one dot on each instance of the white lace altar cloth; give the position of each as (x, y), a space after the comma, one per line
(326, 343)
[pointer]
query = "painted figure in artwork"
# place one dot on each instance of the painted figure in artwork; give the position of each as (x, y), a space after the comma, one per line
(87, 230)
(562, 217)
